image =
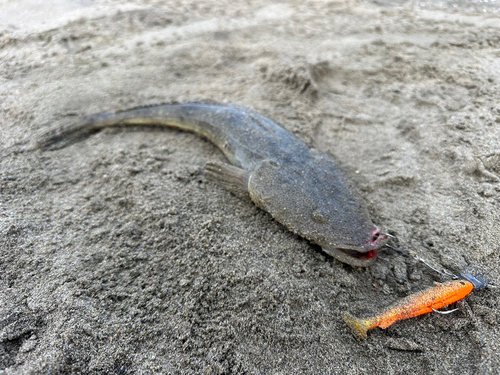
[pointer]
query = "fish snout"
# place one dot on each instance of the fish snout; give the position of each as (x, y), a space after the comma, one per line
(359, 256)
(377, 239)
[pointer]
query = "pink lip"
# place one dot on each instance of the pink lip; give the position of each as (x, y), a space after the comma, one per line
(377, 238)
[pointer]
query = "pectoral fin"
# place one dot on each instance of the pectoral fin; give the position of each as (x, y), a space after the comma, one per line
(231, 178)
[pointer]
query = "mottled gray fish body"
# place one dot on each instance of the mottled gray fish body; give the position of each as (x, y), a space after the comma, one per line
(301, 188)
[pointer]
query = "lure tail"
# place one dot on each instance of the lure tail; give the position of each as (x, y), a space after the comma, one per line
(358, 326)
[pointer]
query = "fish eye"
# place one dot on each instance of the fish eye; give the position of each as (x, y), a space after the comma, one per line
(462, 282)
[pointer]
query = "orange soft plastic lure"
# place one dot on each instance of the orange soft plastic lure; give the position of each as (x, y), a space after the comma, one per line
(416, 304)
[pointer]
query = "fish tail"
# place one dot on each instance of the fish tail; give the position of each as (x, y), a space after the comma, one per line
(359, 326)
(74, 132)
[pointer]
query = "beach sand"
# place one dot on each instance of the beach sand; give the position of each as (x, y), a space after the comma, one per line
(118, 256)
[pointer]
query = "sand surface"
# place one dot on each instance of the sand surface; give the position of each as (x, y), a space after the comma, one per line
(118, 256)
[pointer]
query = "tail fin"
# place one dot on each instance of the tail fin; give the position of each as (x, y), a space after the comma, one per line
(358, 326)
(76, 131)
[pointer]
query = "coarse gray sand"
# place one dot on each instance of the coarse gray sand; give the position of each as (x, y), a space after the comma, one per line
(117, 255)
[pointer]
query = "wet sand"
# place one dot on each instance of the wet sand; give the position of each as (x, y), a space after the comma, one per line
(118, 256)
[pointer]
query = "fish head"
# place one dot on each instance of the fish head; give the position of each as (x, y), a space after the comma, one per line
(314, 199)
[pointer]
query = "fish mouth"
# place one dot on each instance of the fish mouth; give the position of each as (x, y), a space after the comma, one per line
(353, 257)
(363, 257)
